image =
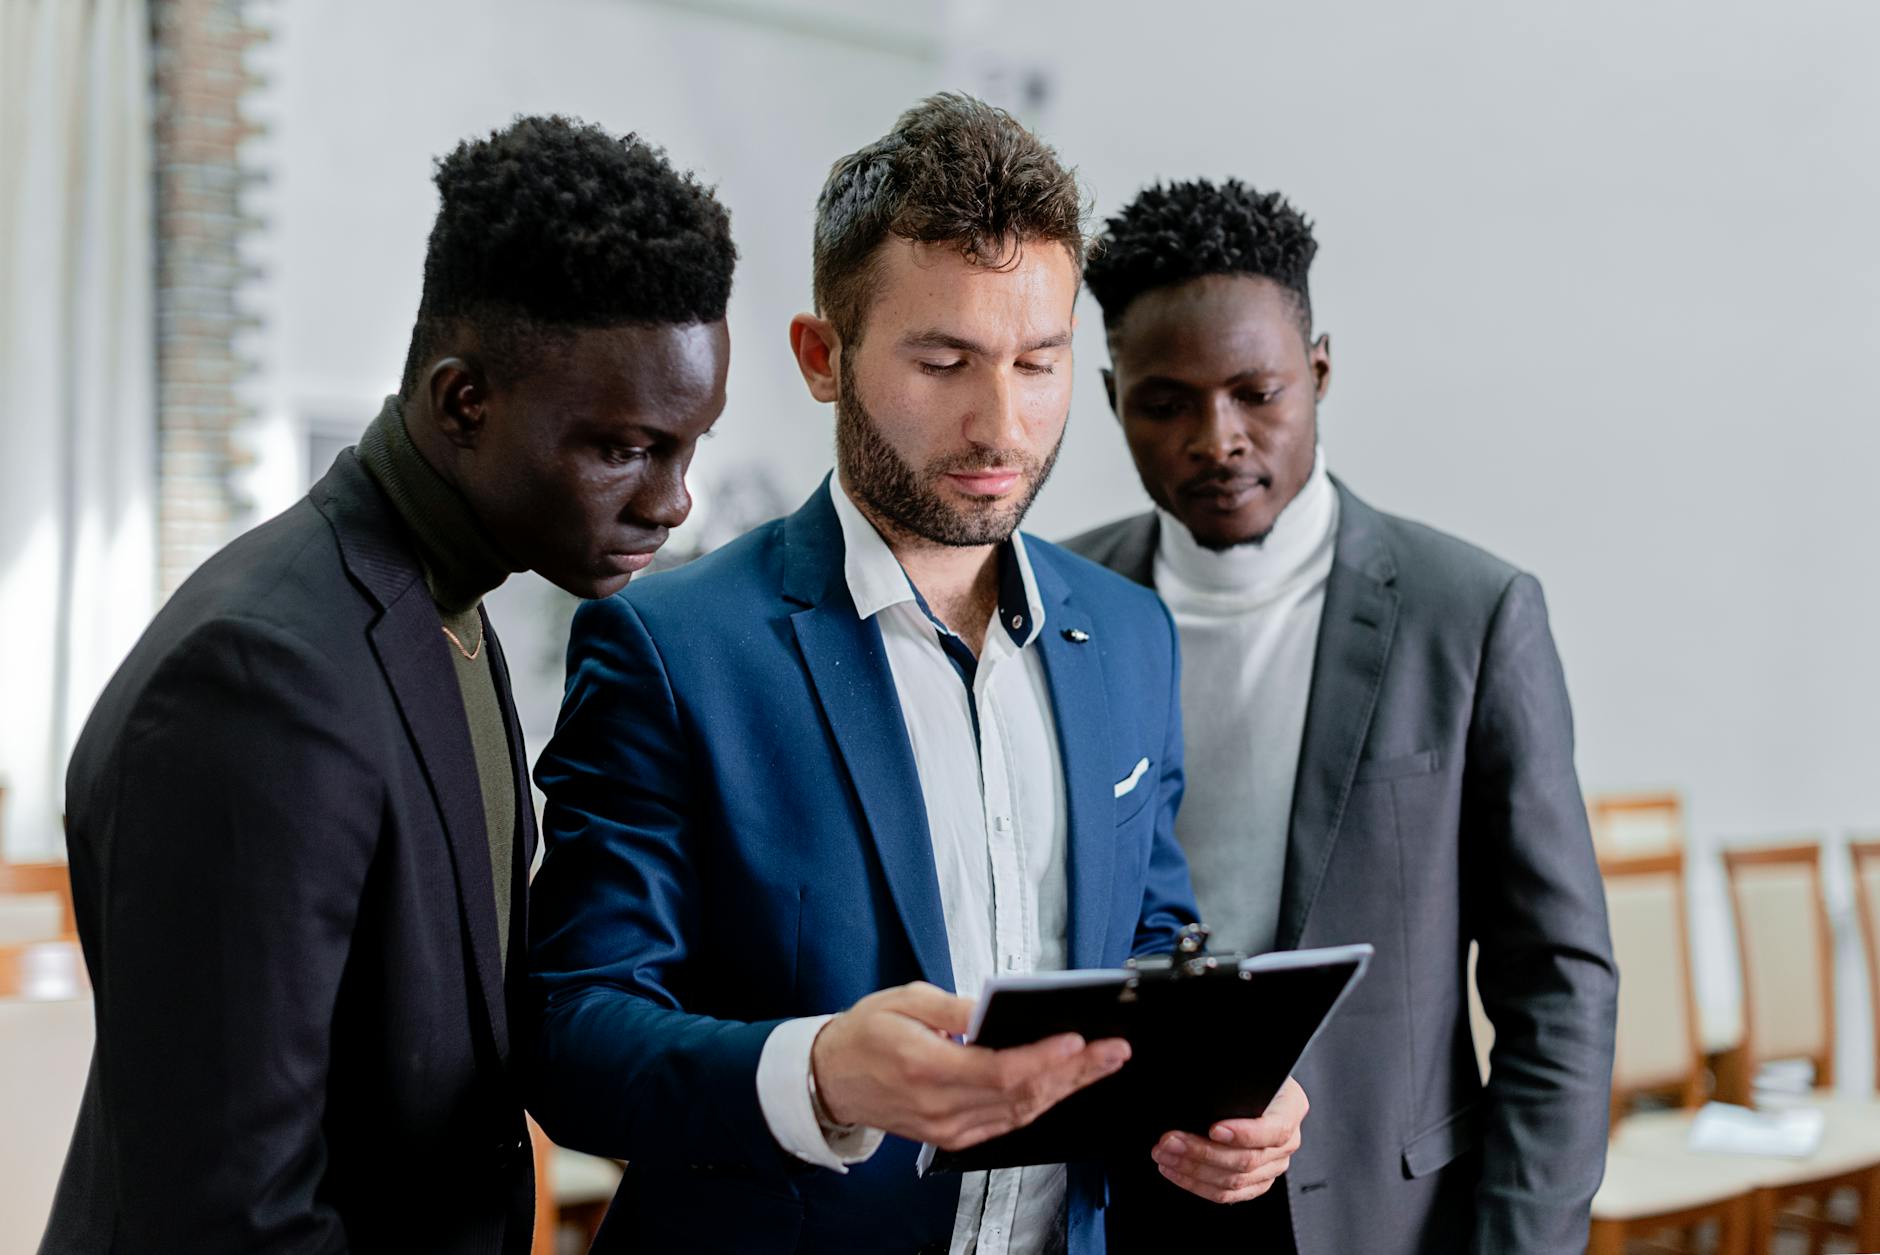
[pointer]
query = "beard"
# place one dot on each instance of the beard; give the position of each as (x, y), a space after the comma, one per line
(906, 497)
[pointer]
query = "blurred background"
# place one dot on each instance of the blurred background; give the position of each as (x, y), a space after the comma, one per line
(1602, 281)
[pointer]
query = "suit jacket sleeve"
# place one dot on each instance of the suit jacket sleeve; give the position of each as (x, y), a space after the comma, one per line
(621, 1068)
(245, 821)
(1168, 899)
(1536, 905)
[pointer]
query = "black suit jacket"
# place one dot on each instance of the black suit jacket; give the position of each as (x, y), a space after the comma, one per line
(284, 894)
(1436, 804)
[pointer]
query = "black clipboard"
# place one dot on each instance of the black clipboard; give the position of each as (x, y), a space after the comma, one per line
(1212, 1037)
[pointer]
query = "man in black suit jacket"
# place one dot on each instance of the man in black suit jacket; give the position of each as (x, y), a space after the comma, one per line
(1379, 748)
(299, 819)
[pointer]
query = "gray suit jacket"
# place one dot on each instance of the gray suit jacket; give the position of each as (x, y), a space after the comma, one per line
(1437, 804)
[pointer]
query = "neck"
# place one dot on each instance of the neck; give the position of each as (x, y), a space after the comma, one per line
(960, 584)
(461, 562)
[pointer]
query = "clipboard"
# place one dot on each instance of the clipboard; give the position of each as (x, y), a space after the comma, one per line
(1212, 1037)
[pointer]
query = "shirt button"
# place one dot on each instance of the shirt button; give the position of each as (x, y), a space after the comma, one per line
(1002, 822)
(1018, 620)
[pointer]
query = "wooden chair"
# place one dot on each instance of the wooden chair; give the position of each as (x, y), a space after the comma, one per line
(572, 1191)
(1634, 825)
(1866, 855)
(43, 971)
(1787, 954)
(45, 1053)
(1653, 1181)
(51, 884)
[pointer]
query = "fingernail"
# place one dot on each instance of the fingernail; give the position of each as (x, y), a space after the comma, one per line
(1175, 1147)
(1221, 1133)
(1116, 1056)
(1069, 1045)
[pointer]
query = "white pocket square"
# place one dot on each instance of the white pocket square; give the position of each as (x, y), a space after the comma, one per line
(1133, 778)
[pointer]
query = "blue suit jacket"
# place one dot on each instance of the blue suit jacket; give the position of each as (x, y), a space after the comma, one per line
(736, 835)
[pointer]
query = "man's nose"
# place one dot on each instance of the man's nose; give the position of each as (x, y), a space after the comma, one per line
(995, 421)
(1219, 436)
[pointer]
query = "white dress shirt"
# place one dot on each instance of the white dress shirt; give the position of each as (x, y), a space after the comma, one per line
(1248, 619)
(992, 779)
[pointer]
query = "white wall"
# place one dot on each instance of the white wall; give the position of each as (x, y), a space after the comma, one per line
(759, 98)
(1602, 281)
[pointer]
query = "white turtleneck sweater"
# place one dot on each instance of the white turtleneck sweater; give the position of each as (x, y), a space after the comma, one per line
(1249, 624)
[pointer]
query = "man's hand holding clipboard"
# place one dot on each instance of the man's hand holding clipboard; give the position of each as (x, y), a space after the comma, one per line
(1207, 1091)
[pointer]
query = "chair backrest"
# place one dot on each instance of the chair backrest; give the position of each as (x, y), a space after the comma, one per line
(1635, 825)
(45, 1053)
(1866, 854)
(1480, 1026)
(39, 971)
(30, 917)
(40, 879)
(1787, 954)
(1657, 1047)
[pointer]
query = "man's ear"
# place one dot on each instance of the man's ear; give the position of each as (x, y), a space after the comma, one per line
(1109, 389)
(815, 345)
(1321, 358)
(458, 396)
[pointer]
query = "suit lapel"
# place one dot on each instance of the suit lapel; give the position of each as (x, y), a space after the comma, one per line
(406, 641)
(848, 666)
(1080, 707)
(1354, 642)
(525, 836)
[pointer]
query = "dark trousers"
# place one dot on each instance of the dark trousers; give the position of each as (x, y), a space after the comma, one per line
(1148, 1216)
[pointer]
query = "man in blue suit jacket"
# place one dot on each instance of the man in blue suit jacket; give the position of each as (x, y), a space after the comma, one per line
(867, 755)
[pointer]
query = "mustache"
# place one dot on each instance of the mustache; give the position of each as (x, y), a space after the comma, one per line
(982, 460)
(1225, 477)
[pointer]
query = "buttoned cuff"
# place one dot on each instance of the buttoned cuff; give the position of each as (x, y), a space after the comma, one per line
(783, 1076)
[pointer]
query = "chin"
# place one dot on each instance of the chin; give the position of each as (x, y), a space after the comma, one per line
(589, 587)
(1216, 531)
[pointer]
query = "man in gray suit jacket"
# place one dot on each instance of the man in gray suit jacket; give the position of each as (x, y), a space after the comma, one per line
(1379, 748)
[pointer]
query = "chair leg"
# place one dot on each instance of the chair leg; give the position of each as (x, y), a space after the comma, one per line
(1867, 1221)
(1762, 1220)
(544, 1240)
(1607, 1238)
(1733, 1229)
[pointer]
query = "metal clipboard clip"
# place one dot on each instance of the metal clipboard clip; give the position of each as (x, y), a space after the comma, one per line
(1189, 960)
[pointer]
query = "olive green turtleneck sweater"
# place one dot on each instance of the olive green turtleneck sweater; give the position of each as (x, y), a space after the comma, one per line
(461, 563)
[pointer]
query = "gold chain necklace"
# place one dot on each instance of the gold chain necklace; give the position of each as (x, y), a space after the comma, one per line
(470, 655)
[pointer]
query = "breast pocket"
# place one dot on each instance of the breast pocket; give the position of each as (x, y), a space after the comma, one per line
(1133, 789)
(1397, 767)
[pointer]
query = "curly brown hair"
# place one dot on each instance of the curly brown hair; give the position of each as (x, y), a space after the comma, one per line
(953, 170)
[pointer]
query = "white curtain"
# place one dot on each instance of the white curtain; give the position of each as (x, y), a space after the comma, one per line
(77, 384)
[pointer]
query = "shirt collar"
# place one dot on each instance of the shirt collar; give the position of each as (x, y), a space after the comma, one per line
(877, 580)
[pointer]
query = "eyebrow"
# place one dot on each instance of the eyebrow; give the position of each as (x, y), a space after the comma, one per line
(945, 340)
(1169, 381)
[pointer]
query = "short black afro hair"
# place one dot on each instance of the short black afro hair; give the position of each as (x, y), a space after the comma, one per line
(553, 225)
(1180, 231)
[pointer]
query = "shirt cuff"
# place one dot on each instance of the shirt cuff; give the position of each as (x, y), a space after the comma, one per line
(783, 1094)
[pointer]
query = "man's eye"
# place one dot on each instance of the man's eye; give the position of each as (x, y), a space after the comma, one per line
(620, 455)
(1159, 409)
(1253, 397)
(1037, 368)
(942, 368)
